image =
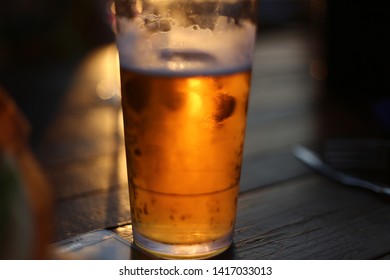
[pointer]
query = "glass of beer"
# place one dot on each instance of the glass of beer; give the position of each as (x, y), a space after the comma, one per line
(185, 79)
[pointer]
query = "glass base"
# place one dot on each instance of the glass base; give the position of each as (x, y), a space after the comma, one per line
(181, 251)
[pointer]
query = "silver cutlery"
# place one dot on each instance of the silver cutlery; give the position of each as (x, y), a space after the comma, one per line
(312, 159)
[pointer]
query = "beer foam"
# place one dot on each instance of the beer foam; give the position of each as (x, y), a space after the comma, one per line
(185, 50)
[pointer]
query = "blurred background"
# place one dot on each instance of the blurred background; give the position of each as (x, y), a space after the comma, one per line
(41, 44)
(47, 39)
(337, 61)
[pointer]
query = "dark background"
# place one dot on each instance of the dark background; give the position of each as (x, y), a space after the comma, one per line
(42, 42)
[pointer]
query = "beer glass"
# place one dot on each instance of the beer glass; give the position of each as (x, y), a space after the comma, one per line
(185, 79)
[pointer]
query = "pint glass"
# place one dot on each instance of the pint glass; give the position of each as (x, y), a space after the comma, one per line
(185, 80)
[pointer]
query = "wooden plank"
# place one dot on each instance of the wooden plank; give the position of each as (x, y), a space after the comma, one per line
(278, 135)
(270, 168)
(312, 218)
(92, 211)
(88, 175)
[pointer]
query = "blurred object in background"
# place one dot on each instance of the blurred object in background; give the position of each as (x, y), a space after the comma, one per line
(25, 202)
(41, 45)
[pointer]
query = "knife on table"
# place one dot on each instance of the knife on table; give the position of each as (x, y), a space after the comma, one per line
(311, 159)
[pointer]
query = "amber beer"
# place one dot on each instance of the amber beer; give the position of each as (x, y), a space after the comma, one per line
(184, 141)
(185, 80)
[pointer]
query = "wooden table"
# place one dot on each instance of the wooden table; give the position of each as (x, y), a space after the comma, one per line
(285, 210)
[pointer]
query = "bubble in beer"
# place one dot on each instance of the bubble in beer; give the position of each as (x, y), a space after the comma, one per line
(225, 105)
(137, 152)
(155, 23)
(164, 25)
(145, 209)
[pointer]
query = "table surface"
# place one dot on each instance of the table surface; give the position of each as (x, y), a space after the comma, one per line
(285, 209)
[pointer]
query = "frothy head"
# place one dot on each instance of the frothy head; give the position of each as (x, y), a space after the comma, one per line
(158, 43)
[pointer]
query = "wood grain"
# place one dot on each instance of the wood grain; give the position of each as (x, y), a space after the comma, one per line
(312, 218)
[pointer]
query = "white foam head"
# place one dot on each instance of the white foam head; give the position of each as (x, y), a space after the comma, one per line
(186, 50)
